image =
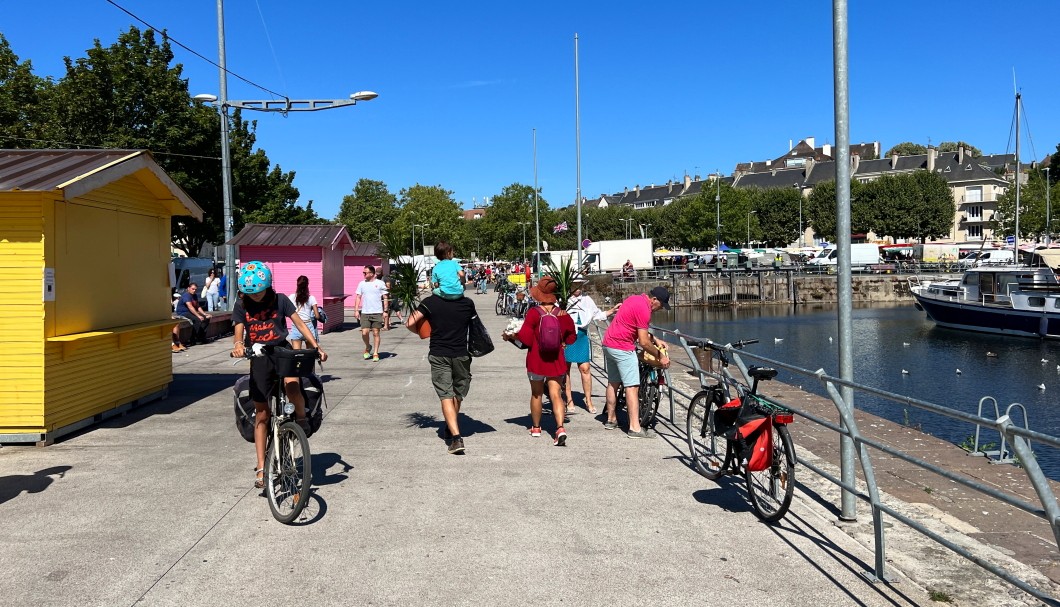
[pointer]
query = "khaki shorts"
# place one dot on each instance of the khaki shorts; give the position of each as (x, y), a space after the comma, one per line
(372, 321)
(451, 376)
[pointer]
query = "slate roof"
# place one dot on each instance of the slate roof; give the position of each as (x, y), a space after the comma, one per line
(946, 164)
(273, 235)
(780, 178)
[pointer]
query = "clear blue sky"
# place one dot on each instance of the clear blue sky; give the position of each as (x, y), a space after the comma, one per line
(666, 88)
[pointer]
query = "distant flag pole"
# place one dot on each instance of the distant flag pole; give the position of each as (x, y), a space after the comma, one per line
(578, 150)
(537, 217)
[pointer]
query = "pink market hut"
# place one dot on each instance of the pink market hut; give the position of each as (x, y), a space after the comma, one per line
(360, 255)
(316, 251)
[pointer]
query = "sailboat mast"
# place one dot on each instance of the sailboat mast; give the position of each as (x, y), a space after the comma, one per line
(1016, 236)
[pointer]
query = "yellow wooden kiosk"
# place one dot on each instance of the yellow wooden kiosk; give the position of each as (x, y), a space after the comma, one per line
(85, 314)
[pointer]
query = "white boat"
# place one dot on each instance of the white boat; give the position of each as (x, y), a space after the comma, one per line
(1009, 300)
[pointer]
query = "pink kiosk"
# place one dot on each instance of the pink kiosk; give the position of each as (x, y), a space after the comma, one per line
(316, 251)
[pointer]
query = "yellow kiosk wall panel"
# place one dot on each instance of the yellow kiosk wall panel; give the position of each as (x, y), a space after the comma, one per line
(21, 309)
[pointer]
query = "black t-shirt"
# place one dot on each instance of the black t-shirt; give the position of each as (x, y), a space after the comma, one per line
(266, 321)
(449, 323)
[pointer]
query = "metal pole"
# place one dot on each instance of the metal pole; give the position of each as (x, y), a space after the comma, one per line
(226, 163)
(1048, 221)
(845, 294)
(1016, 233)
(578, 151)
(717, 212)
(802, 232)
(537, 212)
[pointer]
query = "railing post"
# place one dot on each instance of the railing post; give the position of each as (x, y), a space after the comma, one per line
(1034, 473)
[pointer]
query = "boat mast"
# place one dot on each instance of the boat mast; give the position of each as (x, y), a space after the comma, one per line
(1016, 235)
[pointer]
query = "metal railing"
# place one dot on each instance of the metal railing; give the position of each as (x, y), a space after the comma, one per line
(1018, 437)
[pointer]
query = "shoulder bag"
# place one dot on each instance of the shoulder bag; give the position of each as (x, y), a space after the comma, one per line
(478, 339)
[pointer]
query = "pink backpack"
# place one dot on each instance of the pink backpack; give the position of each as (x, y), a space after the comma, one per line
(549, 334)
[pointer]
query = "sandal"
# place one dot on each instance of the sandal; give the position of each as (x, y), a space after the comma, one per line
(259, 480)
(590, 408)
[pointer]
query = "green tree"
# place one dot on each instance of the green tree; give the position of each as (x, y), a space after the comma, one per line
(1032, 208)
(819, 210)
(698, 218)
(951, 146)
(433, 207)
(776, 219)
(910, 205)
(22, 101)
(367, 210)
(906, 148)
(499, 231)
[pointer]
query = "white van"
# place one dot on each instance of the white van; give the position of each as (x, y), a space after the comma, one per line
(861, 254)
(988, 257)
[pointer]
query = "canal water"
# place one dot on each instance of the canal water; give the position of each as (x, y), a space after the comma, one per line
(889, 339)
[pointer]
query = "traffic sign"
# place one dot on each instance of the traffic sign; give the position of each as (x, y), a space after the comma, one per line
(1010, 240)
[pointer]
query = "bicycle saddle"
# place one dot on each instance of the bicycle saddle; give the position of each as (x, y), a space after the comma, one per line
(766, 373)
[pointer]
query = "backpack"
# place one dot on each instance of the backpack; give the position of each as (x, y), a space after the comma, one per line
(312, 392)
(549, 334)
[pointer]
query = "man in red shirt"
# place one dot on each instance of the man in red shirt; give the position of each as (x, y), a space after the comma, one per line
(626, 331)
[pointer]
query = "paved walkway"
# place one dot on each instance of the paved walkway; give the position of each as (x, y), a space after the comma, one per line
(156, 507)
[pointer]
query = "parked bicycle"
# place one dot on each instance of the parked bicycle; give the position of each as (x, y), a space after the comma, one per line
(647, 396)
(288, 460)
(744, 434)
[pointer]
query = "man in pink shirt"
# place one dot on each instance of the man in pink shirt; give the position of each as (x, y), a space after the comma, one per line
(626, 331)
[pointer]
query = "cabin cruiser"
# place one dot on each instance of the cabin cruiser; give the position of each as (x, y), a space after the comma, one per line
(1010, 300)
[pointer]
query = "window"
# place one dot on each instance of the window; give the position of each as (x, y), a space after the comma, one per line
(975, 232)
(973, 194)
(975, 211)
(1036, 302)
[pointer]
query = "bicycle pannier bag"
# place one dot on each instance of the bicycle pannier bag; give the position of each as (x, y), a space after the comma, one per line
(549, 334)
(244, 408)
(478, 339)
(754, 439)
(725, 415)
(313, 393)
(294, 363)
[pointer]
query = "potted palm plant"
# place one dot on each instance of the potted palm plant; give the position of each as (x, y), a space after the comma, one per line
(404, 273)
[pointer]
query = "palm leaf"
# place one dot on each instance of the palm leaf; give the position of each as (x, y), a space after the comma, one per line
(404, 274)
(565, 275)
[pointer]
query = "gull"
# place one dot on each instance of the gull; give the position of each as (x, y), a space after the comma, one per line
(994, 355)
(904, 372)
(777, 340)
(905, 344)
(830, 341)
(1045, 360)
(958, 371)
(1041, 387)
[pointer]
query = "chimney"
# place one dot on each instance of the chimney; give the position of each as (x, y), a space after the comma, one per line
(894, 161)
(855, 162)
(636, 189)
(808, 167)
(769, 163)
(688, 180)
(960, 154)
(625, 190)
(932, 154)
(696, 178)
(826, 150)
(810, 141)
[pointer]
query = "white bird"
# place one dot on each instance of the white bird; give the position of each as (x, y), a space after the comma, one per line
(777, 340)
(904, 372)
(1058, 368)
(905, 344)
(992, 354)
(830, 341)
(1041, 387)
(958, 371)
(1045, 360)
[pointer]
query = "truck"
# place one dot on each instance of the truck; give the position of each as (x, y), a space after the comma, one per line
(861, 254)
(605, 255)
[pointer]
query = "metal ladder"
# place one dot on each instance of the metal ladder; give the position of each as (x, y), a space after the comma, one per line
(1001, 455)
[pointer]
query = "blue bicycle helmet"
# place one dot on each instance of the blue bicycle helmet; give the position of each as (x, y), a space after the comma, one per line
(254, 277)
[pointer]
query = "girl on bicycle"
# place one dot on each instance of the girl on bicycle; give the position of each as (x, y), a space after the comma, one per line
(260, 317)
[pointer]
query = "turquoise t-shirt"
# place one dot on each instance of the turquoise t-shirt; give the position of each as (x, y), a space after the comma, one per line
(446, 279)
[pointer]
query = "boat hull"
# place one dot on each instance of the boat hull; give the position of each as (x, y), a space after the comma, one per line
(990, 319)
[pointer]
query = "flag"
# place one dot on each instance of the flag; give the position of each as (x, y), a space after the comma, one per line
(563, 227)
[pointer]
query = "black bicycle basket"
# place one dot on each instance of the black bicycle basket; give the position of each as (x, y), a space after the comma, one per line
(294, 363)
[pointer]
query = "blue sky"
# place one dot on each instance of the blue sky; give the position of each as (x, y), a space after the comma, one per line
(667, 88)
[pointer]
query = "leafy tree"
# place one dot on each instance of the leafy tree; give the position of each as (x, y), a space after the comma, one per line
(819, 210)
(951, 146)
(22, 98)
(907, 148)
(434, 207)
(367, 210)
(776, 218)
(1032, 208)
(499, 231)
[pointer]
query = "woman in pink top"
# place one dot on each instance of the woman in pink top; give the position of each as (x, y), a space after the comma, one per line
(545, 367)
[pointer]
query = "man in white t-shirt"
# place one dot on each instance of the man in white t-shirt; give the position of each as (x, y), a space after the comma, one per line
(371, 300)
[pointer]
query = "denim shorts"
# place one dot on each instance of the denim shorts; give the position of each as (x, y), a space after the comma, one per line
(296, 334)
(622, 366)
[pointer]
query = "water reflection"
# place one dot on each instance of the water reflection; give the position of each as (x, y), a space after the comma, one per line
(889, 339)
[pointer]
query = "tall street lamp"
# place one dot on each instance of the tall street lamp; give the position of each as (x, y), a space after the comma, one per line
(749, 213)
(798, 191)
(717, 211)
(524, 224)
(625, 227)
(1048, 221)
(644, 230)
(423, 236)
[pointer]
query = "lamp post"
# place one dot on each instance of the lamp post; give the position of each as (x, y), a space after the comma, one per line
(537, 214)
(749, 213)
(1048, 220)
(798, 191)
(717, 211)
(423, 236)
(644, 230)
(524, 224)
(625, 227)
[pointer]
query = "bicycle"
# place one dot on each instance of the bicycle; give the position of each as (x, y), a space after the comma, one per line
(718, 447)
(648, 395)
(288, 461)
(505, 298)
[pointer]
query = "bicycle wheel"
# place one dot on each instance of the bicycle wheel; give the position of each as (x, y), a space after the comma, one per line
(648, 396)
(288, 470)
(710, 452)
(770, 489)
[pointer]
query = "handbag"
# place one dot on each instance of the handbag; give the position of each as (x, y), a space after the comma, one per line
(322, 316)
(478, 339)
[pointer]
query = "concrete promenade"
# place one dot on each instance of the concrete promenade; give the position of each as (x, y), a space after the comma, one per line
(156, 507)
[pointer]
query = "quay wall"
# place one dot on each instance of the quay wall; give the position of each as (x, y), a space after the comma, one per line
(734, 289)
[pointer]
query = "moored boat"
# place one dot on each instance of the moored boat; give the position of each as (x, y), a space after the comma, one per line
(1009, 300)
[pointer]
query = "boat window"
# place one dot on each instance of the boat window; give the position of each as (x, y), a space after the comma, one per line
(1036, 302)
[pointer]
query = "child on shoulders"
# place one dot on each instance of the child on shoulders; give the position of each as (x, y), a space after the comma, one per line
(447, 278)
